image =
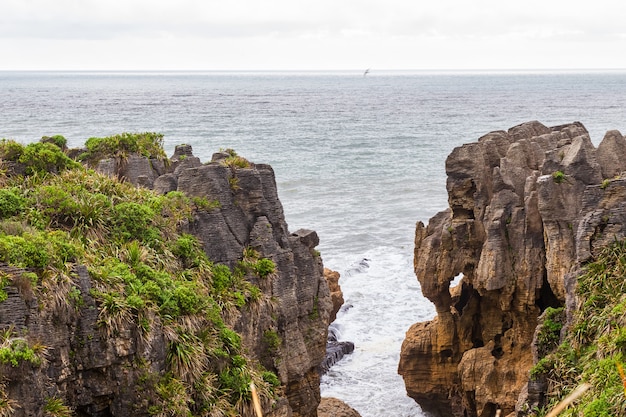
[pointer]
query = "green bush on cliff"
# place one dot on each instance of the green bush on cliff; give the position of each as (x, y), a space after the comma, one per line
(148, 144)
(15, 350)
(55, 407)
(36, 157)
(11, 202)
(57, 140)
(594, 348)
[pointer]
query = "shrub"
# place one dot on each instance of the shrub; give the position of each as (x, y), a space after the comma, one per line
(550, 330)
(134, 221)
(174, 400)
(203, 203)
(45, 157)
(10, 150)
(5, 280)
(36, 157)
(148, 144)
(222, 278)
(230, 339)
(272, 340)
(187, 248)
(55, 407)
(271, 378)
(558, 177)
(235, 161)
(57, 140)
(235, 381)
(264, 267)
(13, 351)
(142, 267)
(26, 251)
(11, 202)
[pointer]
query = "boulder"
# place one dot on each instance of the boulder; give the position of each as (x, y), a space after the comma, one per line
(332, 407)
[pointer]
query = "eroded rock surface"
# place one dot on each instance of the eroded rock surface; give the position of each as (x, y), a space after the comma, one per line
(526, 207)
(332, 407)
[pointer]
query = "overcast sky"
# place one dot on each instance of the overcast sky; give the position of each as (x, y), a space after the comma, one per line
(311, 35)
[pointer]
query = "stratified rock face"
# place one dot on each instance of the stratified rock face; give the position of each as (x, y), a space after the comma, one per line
(99, 373)
(523, 213)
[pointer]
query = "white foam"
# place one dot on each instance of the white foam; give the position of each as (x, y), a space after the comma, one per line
(385, 300)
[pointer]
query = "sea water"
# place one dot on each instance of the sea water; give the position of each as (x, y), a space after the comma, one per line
(358, 159)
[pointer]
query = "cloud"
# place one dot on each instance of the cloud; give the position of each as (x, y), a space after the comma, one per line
(305, 32)
(99, 19)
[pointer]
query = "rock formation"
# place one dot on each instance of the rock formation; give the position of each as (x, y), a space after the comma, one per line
(336, 295)
(335, 349)
(102, 375)
(526, 209)
(332, 407)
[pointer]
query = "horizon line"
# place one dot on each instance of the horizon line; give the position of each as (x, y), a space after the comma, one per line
(370, 70)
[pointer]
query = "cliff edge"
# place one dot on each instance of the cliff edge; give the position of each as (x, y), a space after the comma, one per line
(154, 286)
(527, 208)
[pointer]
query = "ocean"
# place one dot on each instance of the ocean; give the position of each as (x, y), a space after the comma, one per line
(360, 159)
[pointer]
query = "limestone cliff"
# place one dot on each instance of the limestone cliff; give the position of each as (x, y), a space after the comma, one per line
(114, 363)
(527, 206)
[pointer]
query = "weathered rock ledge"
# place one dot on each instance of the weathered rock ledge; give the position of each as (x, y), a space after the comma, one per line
(527, 208)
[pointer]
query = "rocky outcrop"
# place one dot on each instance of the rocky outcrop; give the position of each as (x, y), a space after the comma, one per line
(526, 208)
(332, 407)
(101, 375)
(335, 349)
(336, 295)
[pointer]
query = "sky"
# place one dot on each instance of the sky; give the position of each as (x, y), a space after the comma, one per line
(311, 35)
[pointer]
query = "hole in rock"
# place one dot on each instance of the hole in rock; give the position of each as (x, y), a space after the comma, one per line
(456, 280)
(445, 354)
(466, 294)
(497, 351)
(461, 213)
(546, 296)
(489, 410)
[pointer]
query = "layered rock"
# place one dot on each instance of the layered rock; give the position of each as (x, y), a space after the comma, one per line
(526, 207)
(100, 374)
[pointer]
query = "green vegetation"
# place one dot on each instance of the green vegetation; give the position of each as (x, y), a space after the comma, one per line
(272, 340)
(148, 144)
(558, 177)
(36, 158)
(15, 350)
(315, 314)
(57, 140)
(264, 267)
(233, 160)
(55, 407)
(7, 405)
(146, 273)
(594, 348)
(550, 330)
